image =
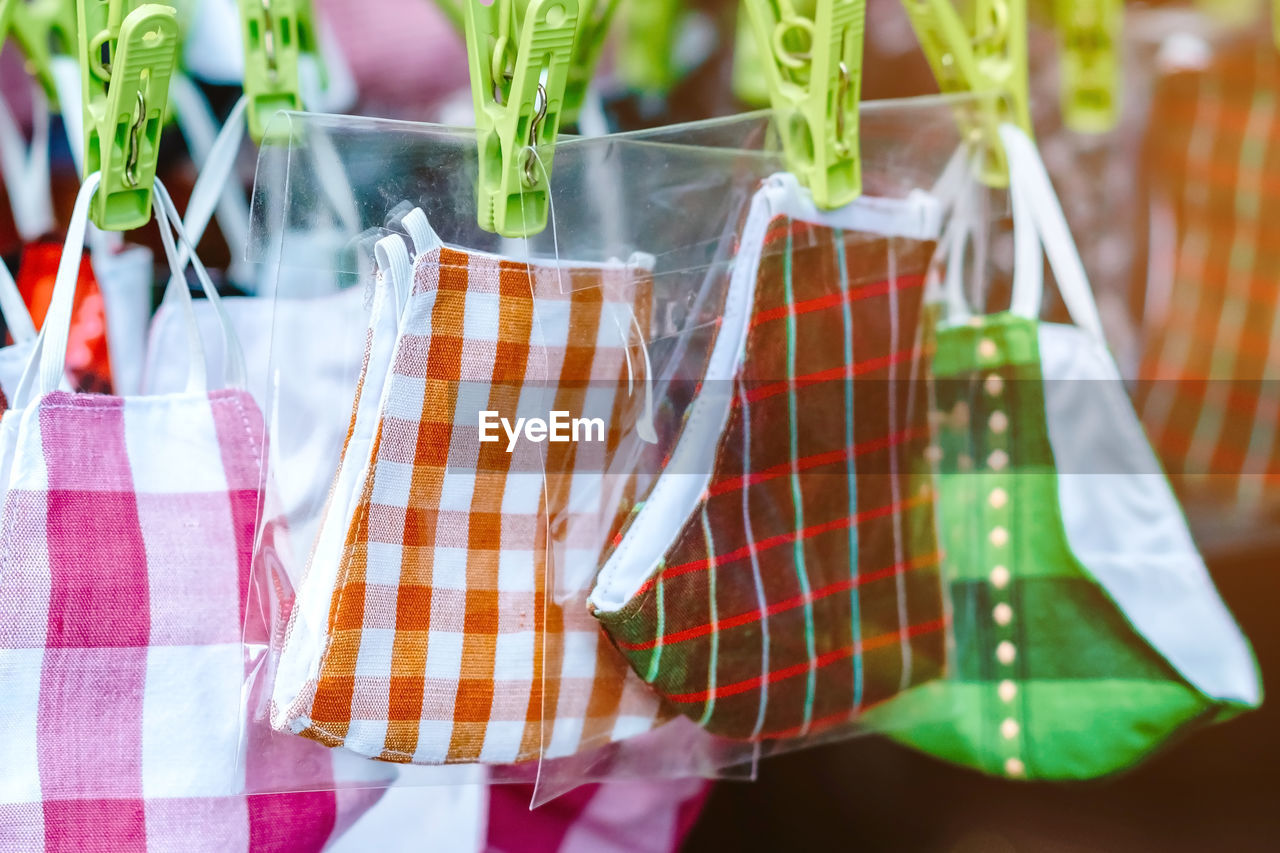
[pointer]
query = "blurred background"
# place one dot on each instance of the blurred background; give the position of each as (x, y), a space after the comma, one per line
(1176, 209)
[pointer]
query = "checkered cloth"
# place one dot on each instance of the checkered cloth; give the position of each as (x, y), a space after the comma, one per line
(805, 586)
(1210, 400)
(127, 537)
(446, 639)
(1051, 680)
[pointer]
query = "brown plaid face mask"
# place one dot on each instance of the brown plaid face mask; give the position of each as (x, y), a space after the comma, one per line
(783, 575)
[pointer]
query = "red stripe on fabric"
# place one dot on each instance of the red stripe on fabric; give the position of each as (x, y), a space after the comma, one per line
(783, 539)
(790, 229)
(847, 372)
(816, 461)
(99, 625)
(74, 826)
(829, 720)
(821, 661)
(292, 822)
(754, 616)
(831, 300)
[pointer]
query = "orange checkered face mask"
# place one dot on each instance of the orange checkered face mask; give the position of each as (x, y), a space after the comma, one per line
(424, 631)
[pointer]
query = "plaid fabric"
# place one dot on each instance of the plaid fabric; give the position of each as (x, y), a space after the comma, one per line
(1211, 402)
(1051, 679)
(805, 587)
(443, 642)
(124, 563)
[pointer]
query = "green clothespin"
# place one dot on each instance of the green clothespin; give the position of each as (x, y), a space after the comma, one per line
(750, 85)
(814, 68)
(41, 27)
(128, 52)
(989, 58)
(594, 17)
(519, 69)
(645, 61)
(1089, 32)
(273, 40)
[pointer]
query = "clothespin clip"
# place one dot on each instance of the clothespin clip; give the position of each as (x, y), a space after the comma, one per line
(519, 69)
(750, 85)
(988, 59)
(594, 17)
(40, 27)
(128, 52)
(814, 68)
(274, 32)
(645, 61)
(1089, 32)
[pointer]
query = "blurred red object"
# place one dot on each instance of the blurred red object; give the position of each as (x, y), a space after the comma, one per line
(88, 360)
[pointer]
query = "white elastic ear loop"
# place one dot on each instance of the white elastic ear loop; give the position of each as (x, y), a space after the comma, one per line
(197, 367)
(26, 168)
(1027, 297)
(393, 261)
(424, 237)
(51, 351)
(14, 310)
(235, 372)
(215, 153)
(1027, 171)
(955, 252)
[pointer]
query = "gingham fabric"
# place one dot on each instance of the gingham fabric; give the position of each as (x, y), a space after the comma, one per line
(804, 587)
(125, 548)
(1210, 398)
(1052, 678)
(443, 641)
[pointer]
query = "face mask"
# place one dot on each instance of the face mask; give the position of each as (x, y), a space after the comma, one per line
(421, 629)
(127, 531)
(1088, 631)
(782, 575)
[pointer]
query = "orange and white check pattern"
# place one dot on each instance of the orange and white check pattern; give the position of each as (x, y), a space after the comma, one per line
(444, 643)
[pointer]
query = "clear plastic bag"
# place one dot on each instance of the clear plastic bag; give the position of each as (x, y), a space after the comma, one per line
(664, 229)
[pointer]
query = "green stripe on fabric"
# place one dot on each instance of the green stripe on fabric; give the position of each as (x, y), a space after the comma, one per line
(855, 601)
(757, 579)
(713, 659)
(802, 571)
(655, 657)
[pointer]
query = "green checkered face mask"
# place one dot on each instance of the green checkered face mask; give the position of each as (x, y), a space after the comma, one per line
(782, 576)
(1087, 629)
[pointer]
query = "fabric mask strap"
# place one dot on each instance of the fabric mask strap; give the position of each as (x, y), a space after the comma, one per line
(66, 81)
(235, 372)
(46, 366)
(953, 249)
(1039, 223)
(26, 168)
(13, 309)
(214, 152)
(393, 261)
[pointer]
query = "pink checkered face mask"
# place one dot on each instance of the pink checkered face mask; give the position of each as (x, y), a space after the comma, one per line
(125, 547)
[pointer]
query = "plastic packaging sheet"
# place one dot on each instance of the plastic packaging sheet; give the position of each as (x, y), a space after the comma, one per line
(732, 554)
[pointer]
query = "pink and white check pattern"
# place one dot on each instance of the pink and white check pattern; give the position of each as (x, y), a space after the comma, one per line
(125, 547)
